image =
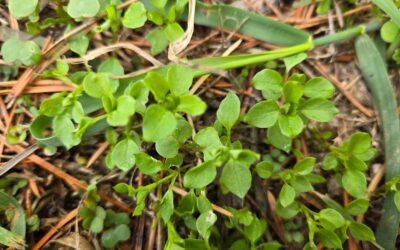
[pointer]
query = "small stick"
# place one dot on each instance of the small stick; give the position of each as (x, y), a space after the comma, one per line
(71, 215)
(97, 154)
(321, 69)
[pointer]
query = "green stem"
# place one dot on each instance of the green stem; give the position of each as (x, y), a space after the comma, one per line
(347, 34)
(157, 183)
(236, 61)
(393, 46)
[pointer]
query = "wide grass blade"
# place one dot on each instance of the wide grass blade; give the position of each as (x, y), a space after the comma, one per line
(248, 23)
(377, 79)
(390, 8)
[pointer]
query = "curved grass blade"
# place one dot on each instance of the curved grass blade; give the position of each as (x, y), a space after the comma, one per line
(375, 74)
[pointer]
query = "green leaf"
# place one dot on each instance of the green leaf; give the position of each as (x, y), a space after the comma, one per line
(361, 232)
(18, 51)
(96, 226)
(167, 147)
(111, 237)
(200, 176)
(79, 43)
(11, 239)
(125, 109)
(265, 169)
(270, 82)
(272, 245)
(205, 222)
(22, 8)
(236, 178)
(187, 205)
(16, 134)
(122, 232)
(167, 206)
(357, 207)
(287, 212)
(81, 9)
(108, 239)
(155, 17)
(135, 16)
(229, 110)
(147, 164)
(159, 3)
(158, 123)
(255, 230)
(123, 154)
(64, 130)
(208, 138)
(191, 104)
(113, 67)
(355, 163)
(319, 109)
(293, 60)
(319, 87)
(157, 85)
(331, 219)
(293, 91)
(278, 140)
(179, 79)
(287, 195)
(305, 166)
(97, 85)
(173, 31)
(359, 143)
(140, 202)
(323, 6)
(244, 216)
(203, 204)
(354, 183)
(330, 161)
(52, 106)
(301, 184)
(158, 41)
(245, 156)
(290, 126)
(183, 130)
(174, 241)
(263, 115)
(240, 245)
(389, 31)
(195, 244)
(16, 236)
(397, 199)
(329, 239)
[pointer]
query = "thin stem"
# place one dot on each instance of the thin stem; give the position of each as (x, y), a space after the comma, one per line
(157, 183)
(347, 34)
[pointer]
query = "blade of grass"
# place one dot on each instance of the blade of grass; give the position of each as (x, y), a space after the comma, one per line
(390, 8)
(248, 23)
(377, 79)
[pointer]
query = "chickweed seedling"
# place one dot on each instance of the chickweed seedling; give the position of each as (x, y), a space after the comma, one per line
(146, 124)
(152, 112)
